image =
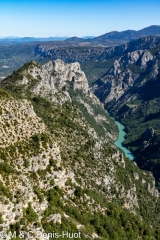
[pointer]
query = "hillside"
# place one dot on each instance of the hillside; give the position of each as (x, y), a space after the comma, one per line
(59, 169)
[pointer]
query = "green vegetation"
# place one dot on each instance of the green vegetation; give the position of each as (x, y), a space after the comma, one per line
(115, 223)
(39, 193)
(5, 167)
(30, 214)
(131, 105)
(5, 191)
(96, 69)
(98, 127)
(140, 120)
(4, 94)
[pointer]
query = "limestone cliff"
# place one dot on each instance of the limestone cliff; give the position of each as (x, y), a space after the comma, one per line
(52, 76)
(127, 71)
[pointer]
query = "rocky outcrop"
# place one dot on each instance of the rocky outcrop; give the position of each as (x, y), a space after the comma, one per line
(147, 137)
(53, 76)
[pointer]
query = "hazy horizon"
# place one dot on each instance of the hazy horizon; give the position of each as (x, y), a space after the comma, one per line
(68, 18)
(19, 37)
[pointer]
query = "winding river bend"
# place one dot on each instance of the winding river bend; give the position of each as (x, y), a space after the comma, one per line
(120, 140)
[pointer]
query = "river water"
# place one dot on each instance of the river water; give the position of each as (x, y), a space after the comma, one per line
(120, 140)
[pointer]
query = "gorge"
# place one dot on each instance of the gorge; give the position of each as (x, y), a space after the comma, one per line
(58, 143)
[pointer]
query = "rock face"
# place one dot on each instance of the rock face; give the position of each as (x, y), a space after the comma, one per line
(55, 74)
(123, 75)
(149, 134)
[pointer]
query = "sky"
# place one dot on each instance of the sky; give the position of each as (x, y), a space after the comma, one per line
(49, 18)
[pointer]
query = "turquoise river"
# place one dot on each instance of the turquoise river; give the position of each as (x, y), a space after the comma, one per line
(121, 139)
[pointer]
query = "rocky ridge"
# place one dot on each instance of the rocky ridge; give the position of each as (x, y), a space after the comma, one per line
(53, 75)
(85, 54)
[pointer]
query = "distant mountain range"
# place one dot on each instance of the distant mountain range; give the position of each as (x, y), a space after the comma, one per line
(113, 38)
(117, 38)
(17, 40)
(14, 40)
(129, 35)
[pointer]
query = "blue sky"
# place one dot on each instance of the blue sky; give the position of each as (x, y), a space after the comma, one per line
(75, 18)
